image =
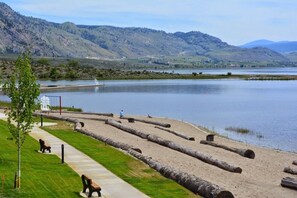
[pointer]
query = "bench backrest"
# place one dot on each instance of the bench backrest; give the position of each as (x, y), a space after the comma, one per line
(85, 179)
(41, 142)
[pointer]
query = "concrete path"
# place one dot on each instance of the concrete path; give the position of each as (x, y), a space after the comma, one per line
(111, 185)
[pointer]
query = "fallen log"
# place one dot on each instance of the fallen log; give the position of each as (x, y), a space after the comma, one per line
(85, 113)
(191, 182)
(290, 170)
(205, 158)
(150, 122)
(108, 141)
(177, 133)
(127, 129)
(243, 152)
(289, 183)
(295, 162)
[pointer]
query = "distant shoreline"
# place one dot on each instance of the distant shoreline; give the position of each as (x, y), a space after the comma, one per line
(59, 87)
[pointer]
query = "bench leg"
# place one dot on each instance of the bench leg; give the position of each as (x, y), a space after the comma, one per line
(99, 193)
(90, 193)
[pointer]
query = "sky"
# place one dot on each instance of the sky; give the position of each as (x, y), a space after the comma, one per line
(233, 21)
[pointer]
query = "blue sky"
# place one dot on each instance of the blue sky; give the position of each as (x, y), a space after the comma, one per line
(234, 21)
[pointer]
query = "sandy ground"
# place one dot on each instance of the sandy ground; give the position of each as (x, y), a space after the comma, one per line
(260, 177)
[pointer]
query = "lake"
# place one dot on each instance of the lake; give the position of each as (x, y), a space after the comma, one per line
(268, 108)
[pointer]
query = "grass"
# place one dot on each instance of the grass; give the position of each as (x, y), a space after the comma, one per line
(42, 175)
(67, 108)
(126, 167)
(4, 104)
(239, 130)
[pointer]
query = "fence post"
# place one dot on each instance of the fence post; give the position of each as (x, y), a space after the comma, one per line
(62, 148)
(60, 105)
(41, 120)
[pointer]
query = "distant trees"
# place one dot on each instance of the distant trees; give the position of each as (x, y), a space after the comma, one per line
(43, 61)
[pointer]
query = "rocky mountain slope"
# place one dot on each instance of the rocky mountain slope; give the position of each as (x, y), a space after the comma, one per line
(43, 38)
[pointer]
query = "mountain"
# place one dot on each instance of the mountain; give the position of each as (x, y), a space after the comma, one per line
(43, 38)
(281, 46)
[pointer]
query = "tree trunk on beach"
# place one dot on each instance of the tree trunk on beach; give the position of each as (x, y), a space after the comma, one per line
(127, 129)
(150, 122)
(290, 170)
(172, 145)
(177, 133)
(289, 182)
(191, 182)
(243, 152)
(205, 158)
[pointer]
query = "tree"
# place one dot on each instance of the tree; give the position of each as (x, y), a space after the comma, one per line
(21, 87)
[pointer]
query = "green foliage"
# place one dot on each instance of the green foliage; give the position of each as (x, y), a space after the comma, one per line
(73, 63)
(44, 177)
(54, 74)
(71, 74)
(43, 61)
(23, 90)
(126, 167)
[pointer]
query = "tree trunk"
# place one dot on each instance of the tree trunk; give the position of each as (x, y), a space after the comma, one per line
(205, 158)
(289, 182)
(177, 133)
(295, 162)
(243, 152)
(89, 113)
(172, 145)
(151, 122)
(290, 170)
(127, 129)
(191, 182)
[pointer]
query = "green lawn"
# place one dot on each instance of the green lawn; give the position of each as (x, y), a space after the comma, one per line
(126, 167)
(42, 175)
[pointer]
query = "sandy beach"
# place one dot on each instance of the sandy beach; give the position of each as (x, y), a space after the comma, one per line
(260, 177)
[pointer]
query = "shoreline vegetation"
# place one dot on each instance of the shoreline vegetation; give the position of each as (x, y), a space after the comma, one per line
(77, 69)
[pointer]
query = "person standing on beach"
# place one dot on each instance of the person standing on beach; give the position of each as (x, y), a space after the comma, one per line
(121, 114)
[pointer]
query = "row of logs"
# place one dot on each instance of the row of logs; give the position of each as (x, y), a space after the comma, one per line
(167, 143)
(191, 182)
(288, 181)
(177, 133)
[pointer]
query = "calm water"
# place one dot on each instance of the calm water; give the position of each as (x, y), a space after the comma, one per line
(269, 108)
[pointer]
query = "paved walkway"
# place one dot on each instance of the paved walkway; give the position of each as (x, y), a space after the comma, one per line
(111, 185)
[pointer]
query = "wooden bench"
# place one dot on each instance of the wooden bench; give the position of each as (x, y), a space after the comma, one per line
(44, 147)
(92, 186)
